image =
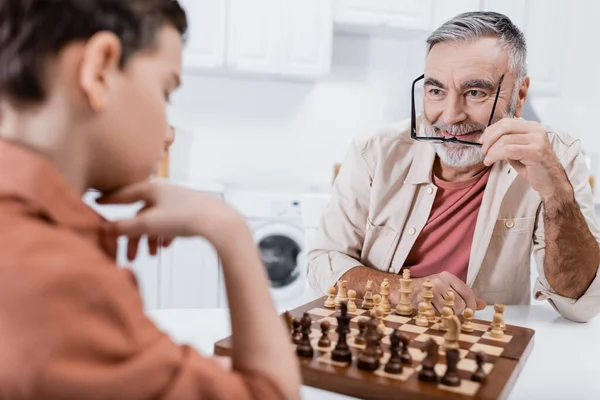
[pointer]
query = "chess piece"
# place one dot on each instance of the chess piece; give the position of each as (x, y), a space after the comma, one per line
(479, 374)
(467, 325)
(325, 342)
(451, 377)
(421, 316)
(304, 348)
(297, 335)
(289, 321)
(405, 354)
(385, 294)
(404, 307)
(378, 343)
(368, 359)
(330, 302)
(379, 314)
(351, 300)
(394, 364)
(451, 337)
(446, 315)
(362, 328)
(449, 300)
(427, 298)
(367, 303)
(427, 372)
(499, 309)
(341, 352)
(342, 293)
(497, 332)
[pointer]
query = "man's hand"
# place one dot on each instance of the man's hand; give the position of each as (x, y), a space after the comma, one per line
(525, 145)
(171, 211)
(463, 295)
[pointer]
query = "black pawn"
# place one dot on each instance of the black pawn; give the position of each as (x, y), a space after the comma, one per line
(479, 374)
(427, 373)
(362, 328)
(451, 377)
(325, 341)
(304, 348)
(296, 333)
(379, 347)
(405, 355)
(394, 365)
(369, 359)
(342, 352)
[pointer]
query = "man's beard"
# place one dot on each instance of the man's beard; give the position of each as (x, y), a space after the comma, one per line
(459, 155)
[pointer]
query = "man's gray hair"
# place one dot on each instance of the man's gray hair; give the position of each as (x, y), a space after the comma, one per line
(471, 26)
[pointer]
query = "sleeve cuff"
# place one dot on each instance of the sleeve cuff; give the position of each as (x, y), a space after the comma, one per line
(581, 310)
(325, 270)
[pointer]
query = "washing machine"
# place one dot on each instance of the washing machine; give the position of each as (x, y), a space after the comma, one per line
(276, 223)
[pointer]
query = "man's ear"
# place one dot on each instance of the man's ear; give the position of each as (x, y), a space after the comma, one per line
(522, 96)
(100, 61)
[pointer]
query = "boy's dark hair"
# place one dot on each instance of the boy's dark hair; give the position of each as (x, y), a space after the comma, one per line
(31, 31)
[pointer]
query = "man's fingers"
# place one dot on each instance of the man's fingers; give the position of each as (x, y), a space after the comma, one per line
(480, 304)
(130, 194)
(459, 305)
(153, 245)
(438, 303)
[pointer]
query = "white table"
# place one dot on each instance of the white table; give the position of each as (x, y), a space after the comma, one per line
(564, 363)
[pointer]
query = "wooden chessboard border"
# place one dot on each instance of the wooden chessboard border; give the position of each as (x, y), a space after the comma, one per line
(354, 382)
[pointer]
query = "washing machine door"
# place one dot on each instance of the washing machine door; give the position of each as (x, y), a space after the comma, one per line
(281, 248)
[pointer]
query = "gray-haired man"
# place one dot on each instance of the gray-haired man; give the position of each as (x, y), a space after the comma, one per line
(464, 192)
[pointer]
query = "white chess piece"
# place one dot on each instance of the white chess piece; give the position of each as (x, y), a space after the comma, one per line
(330, 302)
(342, 293)
(467, 325)
(351, 300)
(404, 307)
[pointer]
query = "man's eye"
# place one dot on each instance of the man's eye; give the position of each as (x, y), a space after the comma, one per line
(475, 93)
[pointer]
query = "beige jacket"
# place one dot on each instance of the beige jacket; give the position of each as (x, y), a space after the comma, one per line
(382, 198)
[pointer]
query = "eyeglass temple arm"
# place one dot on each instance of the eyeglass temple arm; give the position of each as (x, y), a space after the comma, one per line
(496, 100)
(413, 130)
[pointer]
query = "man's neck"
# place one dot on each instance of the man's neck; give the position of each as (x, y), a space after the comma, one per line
(449, 173)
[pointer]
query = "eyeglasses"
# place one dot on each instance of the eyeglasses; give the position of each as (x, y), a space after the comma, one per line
(413, 120)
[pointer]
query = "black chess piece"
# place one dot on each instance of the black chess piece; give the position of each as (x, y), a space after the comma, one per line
(296, 334)
(379, 339)
(479, 374)
(405, 355)
(304, 348)
(362, 328)
(451, 377)
(324, 341)
(342, 352)
(394, 364)
(369, 359)
(427, 373)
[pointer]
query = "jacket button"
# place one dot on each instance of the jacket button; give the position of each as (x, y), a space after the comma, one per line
(412, 231)
(509, 224)
(429, 190)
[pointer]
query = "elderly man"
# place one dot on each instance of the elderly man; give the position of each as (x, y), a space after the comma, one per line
(463, 193)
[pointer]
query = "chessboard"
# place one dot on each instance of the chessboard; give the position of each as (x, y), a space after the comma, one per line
(504, 358)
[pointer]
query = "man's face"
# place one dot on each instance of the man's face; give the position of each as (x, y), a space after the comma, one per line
(461, 81)
(136, 131)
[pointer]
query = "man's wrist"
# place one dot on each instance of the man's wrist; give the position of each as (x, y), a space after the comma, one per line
(557, 198)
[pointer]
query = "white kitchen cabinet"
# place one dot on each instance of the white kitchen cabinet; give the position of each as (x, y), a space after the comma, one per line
(190, 275)
(146, 267)
(206, 37)
(370, 15)
(286, 38)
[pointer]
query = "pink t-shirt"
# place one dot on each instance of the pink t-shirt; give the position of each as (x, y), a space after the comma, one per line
(445, 242)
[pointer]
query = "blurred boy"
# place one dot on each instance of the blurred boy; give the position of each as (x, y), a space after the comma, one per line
(83, 86)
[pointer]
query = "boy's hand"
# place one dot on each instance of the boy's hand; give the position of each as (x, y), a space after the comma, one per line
(171, 211)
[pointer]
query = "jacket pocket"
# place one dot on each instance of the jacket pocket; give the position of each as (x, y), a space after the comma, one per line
(514, 226)
(379, 246)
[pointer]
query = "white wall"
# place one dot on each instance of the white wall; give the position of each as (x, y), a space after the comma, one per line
(285, 135)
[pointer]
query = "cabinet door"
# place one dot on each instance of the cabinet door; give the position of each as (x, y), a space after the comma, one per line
(205, 46)
(254, 35)
(190, 274)
(307, 38)
(406, 14)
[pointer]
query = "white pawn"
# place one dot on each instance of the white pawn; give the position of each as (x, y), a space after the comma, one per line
(330, 302)
(342, 294)
(447, 313)
(351, 300)
(467, 326)
(499, 309)
(422, 315)
(449, 299)
(497, 331)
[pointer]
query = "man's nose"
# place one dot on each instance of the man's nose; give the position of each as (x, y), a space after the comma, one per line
(454, 111)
